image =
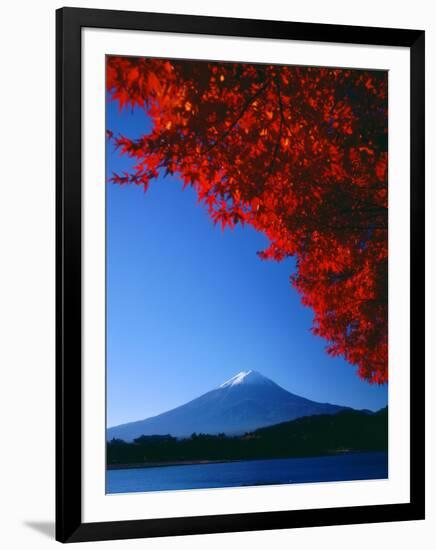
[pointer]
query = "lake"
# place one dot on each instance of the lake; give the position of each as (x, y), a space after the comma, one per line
(344, 467)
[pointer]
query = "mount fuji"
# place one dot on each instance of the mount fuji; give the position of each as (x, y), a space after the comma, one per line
(244, 403)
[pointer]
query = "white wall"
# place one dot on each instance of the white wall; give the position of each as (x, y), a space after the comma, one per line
(27, 272)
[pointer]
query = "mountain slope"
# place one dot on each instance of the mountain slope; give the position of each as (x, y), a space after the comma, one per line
(244, 403)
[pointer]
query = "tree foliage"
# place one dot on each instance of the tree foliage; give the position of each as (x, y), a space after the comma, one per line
(317, 435)
(300, 154)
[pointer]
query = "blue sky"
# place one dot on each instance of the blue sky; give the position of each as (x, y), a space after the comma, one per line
(189, 306)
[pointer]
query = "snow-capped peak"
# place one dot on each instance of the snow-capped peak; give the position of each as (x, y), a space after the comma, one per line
(245, 377)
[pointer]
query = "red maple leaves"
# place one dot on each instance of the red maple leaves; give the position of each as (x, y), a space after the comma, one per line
(300, 153)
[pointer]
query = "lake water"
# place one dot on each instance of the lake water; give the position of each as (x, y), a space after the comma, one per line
(345, 467)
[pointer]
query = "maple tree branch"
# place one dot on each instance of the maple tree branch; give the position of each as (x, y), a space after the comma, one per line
(282, 112)
(365, 301)
(357, 227)
(238, 118)
(273, 156)
(320, 226)
(279, 137)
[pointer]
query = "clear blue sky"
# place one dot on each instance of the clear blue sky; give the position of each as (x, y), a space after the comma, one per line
(189, 306)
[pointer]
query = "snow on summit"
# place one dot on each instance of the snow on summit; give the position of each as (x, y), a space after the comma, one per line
(245, 377)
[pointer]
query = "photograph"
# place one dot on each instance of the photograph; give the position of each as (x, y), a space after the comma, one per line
(246, 274)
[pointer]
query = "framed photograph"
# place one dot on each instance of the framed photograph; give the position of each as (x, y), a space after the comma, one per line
(240, 275)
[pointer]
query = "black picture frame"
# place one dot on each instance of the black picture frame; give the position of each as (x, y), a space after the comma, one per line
(69, 525)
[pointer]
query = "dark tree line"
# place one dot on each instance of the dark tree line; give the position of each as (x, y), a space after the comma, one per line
(347, 431)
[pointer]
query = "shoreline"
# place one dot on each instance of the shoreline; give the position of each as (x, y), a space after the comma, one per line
(139, 465)
(136, 465)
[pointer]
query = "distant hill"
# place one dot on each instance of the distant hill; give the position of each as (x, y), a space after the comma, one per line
(244, 403)
(346, 431)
